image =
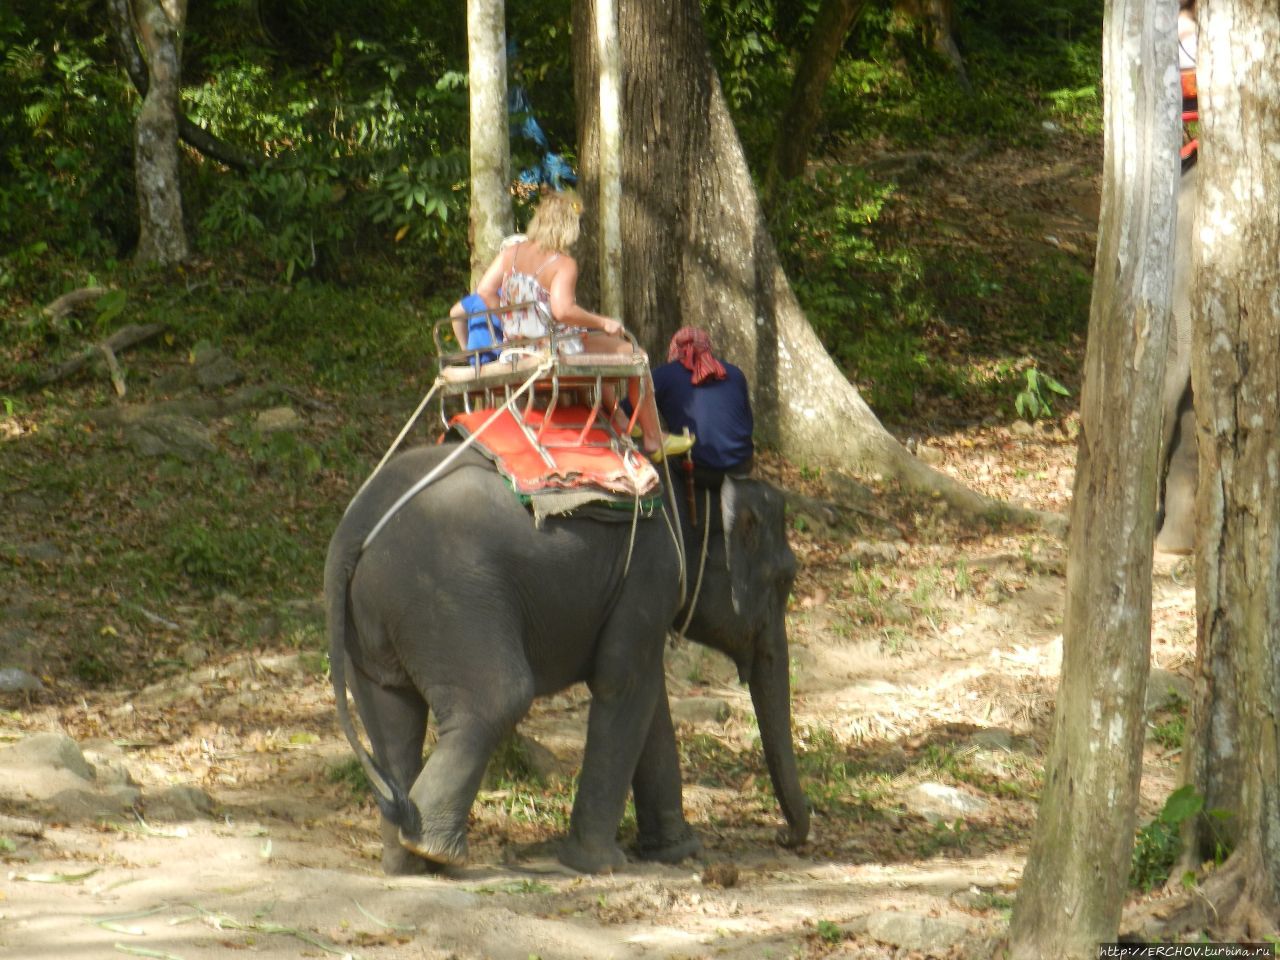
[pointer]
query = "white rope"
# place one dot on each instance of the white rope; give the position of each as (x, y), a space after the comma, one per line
(702, 563)
(676, 539)
(635, 522)
(396, 443)
(443, 464)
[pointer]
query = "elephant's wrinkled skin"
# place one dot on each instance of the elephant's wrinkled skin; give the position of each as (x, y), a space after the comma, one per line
(461, 604)
(1178, 446)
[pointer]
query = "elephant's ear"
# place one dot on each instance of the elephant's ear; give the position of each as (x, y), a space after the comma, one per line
(740, 523)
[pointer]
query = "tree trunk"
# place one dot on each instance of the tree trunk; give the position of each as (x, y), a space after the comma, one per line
(490, 137)
(609, 162)
(804, 106)
(194, 136)
(1076, 875)
(1233, 753)
(936, 22)
(162, 238)
(697, 250)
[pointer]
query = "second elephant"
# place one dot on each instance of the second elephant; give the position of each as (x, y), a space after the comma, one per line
(1178, 446)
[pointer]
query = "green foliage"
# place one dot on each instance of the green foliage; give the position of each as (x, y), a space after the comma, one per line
(511, 763)
(351, 775)
(95, 668)
(232, 557)
(746, 46)
(1156, 846)
(1033, 402)
(65, 133)
(830, 932)
(891, 308)
(1170, 733)
(374, 154)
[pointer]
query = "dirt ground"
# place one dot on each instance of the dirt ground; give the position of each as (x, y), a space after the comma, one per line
(213, 826)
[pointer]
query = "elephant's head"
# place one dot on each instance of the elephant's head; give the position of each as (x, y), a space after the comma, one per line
(741, 610)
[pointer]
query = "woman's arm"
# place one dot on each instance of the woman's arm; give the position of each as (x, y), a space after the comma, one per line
(490, 285)
(564, 305)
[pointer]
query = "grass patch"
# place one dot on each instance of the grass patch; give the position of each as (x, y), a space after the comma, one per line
(1157, 844)
(351, 775)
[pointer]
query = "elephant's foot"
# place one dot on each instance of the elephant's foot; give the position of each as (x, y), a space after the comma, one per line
(1179, 542)
(397, 861)
(441, 851)
(591, 858)
(1178, 532)
(670, 850)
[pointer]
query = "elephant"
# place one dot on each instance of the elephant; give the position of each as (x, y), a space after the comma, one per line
(463, 606)
(1178, 445)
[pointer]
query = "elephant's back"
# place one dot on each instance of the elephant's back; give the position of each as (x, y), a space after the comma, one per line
(453, 474)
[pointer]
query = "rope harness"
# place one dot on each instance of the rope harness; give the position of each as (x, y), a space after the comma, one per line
(430, 478)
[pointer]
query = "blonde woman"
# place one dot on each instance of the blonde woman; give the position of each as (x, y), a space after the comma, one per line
(539, 269)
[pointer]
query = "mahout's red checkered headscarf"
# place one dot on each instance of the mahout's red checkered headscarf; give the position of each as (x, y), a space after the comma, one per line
(692, 347)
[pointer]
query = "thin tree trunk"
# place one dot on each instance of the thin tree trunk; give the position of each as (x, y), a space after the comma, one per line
(610, 158)
(697, 251)
(804, 107)
(491, 219)
(1076, 875)
(162, 238)
(1233, 750)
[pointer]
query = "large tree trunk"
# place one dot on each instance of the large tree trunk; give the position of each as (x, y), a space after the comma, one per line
(935, 20)
(490, 138)
(804, 107)
(696, 249)
(1077, 873)
(1233, 751)
(163, 238)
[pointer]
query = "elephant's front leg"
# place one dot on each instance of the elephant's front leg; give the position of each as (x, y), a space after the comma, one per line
(622, 706)
(665, 835)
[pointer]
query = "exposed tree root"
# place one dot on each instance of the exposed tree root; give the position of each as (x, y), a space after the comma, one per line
(21, 826)
(199, 408)
(1231, 904)
(68, 303)
(122, 339)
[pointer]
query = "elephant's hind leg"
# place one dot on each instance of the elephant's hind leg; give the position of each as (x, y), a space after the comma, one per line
(395, 719)
(1178, 531)
(471, 722)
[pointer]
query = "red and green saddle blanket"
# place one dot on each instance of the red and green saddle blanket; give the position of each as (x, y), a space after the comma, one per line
(557, 459)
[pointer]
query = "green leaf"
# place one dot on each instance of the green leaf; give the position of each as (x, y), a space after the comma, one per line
(1182, 804)
(109, 306)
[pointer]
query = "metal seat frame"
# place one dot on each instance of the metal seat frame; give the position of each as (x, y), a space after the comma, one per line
(463, 377)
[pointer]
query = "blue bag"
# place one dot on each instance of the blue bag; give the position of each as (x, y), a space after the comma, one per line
(484, 329)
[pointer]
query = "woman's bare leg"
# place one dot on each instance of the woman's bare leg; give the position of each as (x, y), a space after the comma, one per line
(650, 426)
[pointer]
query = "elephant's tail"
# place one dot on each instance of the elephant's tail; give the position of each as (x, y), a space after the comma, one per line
(392, 798)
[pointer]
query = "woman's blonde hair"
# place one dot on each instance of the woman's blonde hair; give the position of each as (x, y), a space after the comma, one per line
(555, 223)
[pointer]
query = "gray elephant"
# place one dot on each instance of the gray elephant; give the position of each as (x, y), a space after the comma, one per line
(1178, 446)
(462, 606)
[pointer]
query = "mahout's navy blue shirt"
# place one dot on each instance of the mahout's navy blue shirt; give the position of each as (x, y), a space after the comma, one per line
(717, 412)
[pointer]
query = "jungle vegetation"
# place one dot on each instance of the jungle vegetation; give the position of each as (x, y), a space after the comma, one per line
(351, 122)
